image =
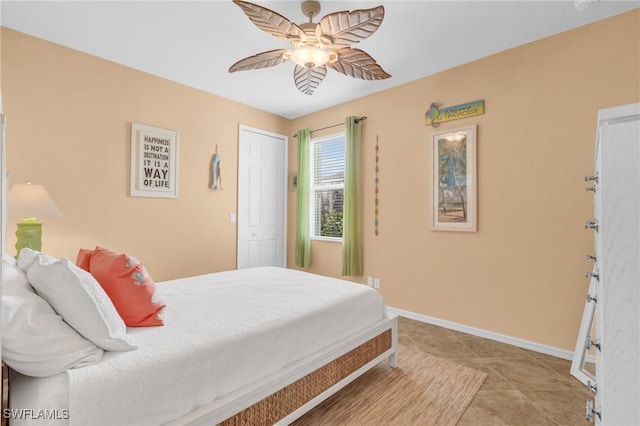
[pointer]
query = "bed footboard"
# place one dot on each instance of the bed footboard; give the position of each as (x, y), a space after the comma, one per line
(289, 399)
(287, 395)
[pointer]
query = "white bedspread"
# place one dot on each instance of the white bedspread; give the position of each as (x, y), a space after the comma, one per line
(222, 331)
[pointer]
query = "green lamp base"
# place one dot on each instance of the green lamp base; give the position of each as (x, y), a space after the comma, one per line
(29, 234)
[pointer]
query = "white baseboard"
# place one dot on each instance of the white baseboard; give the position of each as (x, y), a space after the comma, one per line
(510, 340)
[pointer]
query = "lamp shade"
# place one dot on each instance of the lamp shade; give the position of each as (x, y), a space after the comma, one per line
(28, 200)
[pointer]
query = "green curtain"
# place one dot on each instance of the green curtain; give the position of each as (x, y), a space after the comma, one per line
(351, 231)
(303, 244)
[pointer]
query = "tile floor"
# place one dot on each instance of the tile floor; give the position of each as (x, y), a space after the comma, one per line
(522, 387)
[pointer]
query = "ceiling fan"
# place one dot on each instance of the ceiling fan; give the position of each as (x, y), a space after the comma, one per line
(316, 46)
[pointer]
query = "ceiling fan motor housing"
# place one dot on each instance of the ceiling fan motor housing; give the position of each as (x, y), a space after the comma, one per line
(310, 8)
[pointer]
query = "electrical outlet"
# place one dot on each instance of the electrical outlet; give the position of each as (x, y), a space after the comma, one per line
(376, 283)
(370, 281)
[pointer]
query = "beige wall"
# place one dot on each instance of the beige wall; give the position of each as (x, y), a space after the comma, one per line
(522, 273)
(69, 128)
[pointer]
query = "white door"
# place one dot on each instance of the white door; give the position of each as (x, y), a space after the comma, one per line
(261, 198)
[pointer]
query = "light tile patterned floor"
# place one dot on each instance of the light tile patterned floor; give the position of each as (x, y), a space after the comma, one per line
(522, 387)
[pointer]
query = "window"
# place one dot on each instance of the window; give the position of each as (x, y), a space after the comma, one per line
(327, 187)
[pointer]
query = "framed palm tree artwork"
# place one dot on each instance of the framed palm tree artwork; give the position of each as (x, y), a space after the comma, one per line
(454, 179)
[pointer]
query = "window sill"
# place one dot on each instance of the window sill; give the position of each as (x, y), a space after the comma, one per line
(332, 239)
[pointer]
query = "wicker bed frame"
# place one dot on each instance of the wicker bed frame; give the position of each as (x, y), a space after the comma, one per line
(283, 397)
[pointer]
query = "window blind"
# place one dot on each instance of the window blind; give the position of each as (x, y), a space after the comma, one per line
(328, 187)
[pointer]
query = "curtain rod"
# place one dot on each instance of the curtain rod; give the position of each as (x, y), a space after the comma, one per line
(359, 119)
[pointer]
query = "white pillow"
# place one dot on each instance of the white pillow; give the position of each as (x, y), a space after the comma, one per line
(77, 296)
(35, 340)
(27, 256)
(12, 276)
(8, 259)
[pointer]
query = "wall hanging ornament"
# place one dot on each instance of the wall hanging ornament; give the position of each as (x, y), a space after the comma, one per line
(437, 115)
(375, 221)
(216, 178)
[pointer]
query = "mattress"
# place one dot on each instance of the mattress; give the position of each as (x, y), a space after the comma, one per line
(222, 332)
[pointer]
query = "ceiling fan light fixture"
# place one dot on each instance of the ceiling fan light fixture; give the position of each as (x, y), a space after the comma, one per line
(310, 56)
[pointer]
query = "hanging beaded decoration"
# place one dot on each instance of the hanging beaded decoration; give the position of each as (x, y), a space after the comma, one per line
(375, 221)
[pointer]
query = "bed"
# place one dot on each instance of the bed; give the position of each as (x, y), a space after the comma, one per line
(252, 346)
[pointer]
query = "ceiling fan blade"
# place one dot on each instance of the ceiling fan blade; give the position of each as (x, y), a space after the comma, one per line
(359, 64)
(308, 79)
(269, 21)
(261, 60)
(346, 28)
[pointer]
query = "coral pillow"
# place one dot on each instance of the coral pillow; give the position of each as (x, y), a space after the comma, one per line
(129, 286)
(84, 256)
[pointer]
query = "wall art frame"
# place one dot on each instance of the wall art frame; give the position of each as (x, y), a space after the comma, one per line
(454, 187)
(154, 162)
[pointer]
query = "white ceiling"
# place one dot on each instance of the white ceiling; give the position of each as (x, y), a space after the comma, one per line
(195, 42)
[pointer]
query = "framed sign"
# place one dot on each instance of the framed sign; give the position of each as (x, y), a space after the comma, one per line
(154, 162)
(454, 179)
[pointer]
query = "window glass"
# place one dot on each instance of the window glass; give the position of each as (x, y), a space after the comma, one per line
(327, 186)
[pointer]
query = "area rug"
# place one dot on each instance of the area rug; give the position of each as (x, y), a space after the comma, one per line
(422, 390)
